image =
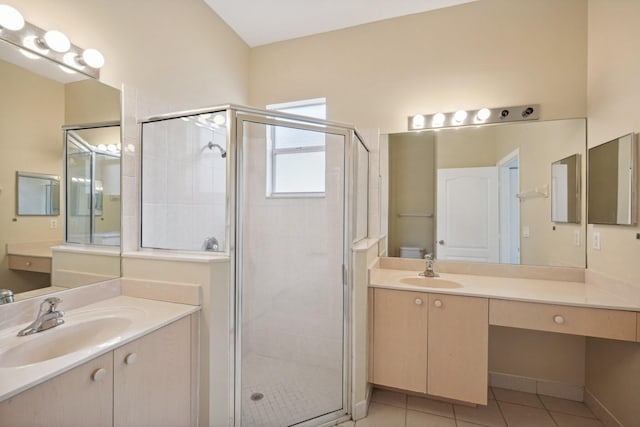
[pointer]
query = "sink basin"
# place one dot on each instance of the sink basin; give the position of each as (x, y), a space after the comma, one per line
(430, 282)
(64, 339)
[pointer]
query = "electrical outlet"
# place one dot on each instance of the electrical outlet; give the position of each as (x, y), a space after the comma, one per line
(596, 240)
(576, 237)
(525, 231)
(53, 224)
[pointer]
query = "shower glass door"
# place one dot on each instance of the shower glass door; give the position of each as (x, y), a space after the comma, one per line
(290, 342)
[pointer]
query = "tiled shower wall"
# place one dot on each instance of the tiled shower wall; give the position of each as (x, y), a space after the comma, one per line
(183, 185)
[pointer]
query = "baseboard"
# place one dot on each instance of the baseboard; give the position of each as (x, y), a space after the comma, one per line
(600, 411)
(361, 409)
(538, 386)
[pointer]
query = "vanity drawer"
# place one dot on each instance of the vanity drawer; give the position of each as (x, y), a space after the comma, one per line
(592, 322)
(30, 263)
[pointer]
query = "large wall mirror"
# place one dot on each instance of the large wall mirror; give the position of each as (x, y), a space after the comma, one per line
(483, 194)
(38, 99)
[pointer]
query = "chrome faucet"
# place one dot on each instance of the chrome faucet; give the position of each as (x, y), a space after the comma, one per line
(48, 317)
(428, 269)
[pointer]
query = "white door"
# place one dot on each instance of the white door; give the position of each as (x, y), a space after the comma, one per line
(467, 214)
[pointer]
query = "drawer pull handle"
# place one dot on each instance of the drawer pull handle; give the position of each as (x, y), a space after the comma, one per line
(559, 320)
(131, 358)
(418, 301)
(99, 374)
(437, 303)
(28, 263)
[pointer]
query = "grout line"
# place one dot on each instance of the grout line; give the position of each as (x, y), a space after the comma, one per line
(501, 414)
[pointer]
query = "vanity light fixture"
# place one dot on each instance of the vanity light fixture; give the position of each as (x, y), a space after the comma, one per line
(34, 42)
(474, 117)
(10, 18)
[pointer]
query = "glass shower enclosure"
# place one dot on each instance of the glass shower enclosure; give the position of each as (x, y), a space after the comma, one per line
(295, 199)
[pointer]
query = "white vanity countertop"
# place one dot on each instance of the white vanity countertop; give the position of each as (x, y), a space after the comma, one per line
(145, 316)
(509, 288)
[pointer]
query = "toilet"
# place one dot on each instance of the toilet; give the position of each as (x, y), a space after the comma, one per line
(411, 252)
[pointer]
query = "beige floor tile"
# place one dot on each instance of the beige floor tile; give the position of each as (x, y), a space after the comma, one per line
(519, 397)
(422, 419)
(347, 424)
(566, 420)
(387, 397)
(571, 407)
(430, 406)
(525, 416)
(484, 415)
(381, 415)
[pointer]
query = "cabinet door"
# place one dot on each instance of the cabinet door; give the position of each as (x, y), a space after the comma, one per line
(80, 397)
(152, 379)
(400, 339)
(458, 348)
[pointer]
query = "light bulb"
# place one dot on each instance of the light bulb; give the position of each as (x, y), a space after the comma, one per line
(111, 147)
(93, 58)
(418, 121)
(57, 41)
(437, 120)
(219, 119)
(102, 147)
(10, 18)
(71, 60)
(31, 43)
(483, 115)
(459, 116)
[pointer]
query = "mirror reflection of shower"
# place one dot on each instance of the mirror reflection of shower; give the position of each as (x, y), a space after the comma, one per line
(93, 184)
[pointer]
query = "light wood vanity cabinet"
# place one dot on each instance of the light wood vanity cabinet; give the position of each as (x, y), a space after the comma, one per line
(458, 348)
(30, 263)
(431, 343)
(144, 383)
(586, 321)
(80, 397)
(152, 382)
(400, 339)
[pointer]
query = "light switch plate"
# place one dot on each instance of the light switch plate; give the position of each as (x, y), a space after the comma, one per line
(596, 240)
(576, 237)
(525, 231)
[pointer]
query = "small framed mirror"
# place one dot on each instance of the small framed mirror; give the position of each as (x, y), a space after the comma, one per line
(37, 194)
(611, 182)
(565, 190)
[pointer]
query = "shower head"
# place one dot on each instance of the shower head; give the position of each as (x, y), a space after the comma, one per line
(223, 152)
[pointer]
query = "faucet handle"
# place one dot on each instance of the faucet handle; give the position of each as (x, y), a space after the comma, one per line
(53, 303)
(429, 257)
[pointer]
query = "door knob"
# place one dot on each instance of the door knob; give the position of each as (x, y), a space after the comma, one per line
(131, 358)
(441, 242)
(418, 301)
(437, 303)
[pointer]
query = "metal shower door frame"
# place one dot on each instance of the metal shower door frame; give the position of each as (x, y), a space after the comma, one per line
(274, 118)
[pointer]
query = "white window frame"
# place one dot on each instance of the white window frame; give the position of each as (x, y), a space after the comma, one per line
(273, 153)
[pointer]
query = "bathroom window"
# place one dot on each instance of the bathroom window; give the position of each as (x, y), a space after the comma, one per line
(296, 157)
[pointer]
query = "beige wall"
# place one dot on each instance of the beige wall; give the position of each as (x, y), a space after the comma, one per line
(613, 93)
(30, 140)
(90, 101)
(485, 53)
(179, 52)
(613, 368)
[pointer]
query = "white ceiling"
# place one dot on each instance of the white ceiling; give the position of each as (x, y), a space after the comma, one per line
(260, 22)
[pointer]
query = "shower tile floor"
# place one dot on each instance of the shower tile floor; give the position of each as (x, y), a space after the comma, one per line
(291, 391)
